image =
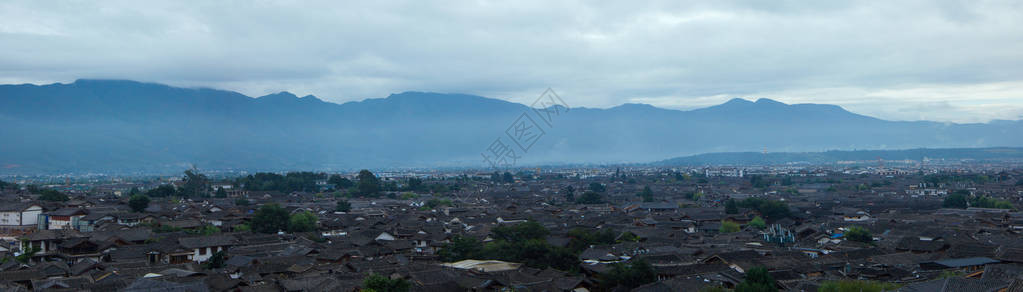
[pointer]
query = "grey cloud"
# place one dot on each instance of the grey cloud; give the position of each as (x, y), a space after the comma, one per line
(598, 55)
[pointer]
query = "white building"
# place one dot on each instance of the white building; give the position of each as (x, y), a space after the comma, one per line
(19, 214)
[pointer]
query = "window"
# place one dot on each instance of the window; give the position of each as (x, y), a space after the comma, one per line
(202, 251)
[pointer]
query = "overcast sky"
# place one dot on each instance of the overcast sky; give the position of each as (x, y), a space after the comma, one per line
(959, 61)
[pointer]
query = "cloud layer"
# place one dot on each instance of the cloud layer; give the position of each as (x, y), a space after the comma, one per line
(956, 61)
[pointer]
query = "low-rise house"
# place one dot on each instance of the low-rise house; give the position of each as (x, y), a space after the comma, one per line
(66, 218)
(19, 214)
(204, 247)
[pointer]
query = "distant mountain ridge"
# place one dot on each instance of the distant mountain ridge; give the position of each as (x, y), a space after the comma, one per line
(834, 156)
(127, 126)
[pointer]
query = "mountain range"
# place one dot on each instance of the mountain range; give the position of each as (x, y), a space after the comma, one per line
(128, 126)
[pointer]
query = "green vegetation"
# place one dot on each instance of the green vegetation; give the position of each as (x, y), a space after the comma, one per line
(856, 286)
(938, 179)
(962, 199)
(368, 184)
(216, 261)
(241, 202)
(757, 280)
(581, 239)
(570, 194)
(290, 182)
(52, 195)
(758, 223)
(378, 283)
(598, 187)
(859, 234)
(647, 194)
(138, 203)
(27, 255)
(162, 191)
(630, 275)
(343, 206)
(694, 196)
(270, 218)
(771, 210)
(731, 207)
(522, 243)
(340, 182)
(955, 200)
(302, 222)
(220, 193)
(590, 197)
(196, 184)
(729, 226)
(989, 202)
(434, 203)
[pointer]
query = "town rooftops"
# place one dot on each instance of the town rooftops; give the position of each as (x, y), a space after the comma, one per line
(207, 241)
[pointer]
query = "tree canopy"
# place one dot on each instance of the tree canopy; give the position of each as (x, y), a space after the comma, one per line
(859, 234)
(340, 182)
(769, 209)
(270, 218)
(630, 275)
(524, 243)
(302, 222)
(378, 283)
(590, 197)
(368, 183)
(303, 181)
(757, 280)
(343, 206)
(52, 195)
(138, 203)
(647, 194)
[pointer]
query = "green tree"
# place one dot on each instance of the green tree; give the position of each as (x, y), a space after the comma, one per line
(758, 223)
(859, 234)
(138, 203)
(955, 200)
(221, 193)
(770, 209)
(380, 283)
(731, 207)
(507, 177)
(1019, 182)
(570, 194)
(647, 194)
(162, 191)
(241, 202)
(340, 182)
(520, 232)
(460, 248)
(302, 222)
(757, 280)
(52, 195)
(196, 184)
(630, 275)
(270, 218)
(590, 197)
(729, 227)
(216, 261)
(597, 187)
(343, 206)
(368, 184)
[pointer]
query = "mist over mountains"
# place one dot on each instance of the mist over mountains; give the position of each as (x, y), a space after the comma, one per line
(127, 126)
